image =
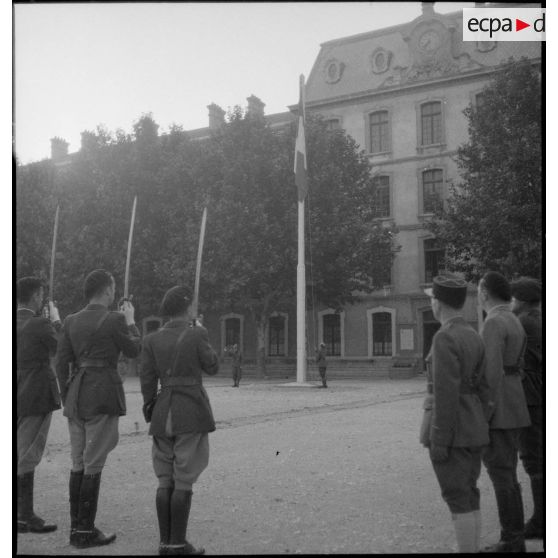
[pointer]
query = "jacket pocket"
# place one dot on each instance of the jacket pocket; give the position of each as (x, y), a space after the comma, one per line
(424, 435)
(119, 392)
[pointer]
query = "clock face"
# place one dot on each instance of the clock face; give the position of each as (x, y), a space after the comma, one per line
(429, 41)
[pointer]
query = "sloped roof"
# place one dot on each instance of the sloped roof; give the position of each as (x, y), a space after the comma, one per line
(352, 57)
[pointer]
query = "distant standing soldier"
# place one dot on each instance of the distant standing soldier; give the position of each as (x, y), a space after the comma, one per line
(504, 340)
(455, 425)
(236, 362)
(322, 364)
(176, 355)
(93, 396)
(526, 305)
(37, 394)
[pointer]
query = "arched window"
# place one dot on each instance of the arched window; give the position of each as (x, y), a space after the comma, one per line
(276, 344)
(381, 200)
(232, 332)
(379, 131)
(332, 334)
(432, 190)
(431, 123)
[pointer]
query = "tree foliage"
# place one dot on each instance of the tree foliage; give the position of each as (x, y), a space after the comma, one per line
(493, 218)
(244, 173)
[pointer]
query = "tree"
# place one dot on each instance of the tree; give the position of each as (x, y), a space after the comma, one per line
(252, 232)
(493, 218)
(244, 173)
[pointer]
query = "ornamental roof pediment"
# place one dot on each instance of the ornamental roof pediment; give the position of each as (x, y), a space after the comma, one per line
(428, 48)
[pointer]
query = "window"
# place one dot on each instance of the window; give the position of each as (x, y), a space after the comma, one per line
(333, 124)
(332, 334)
(432, 188)
(379, 132)
(381, 334)
(433, 259)
(232, 332)
(381, 205)
(431, 123)
(276, 336)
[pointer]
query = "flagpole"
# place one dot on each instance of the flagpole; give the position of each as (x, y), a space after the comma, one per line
(301, 301)
(301, 181)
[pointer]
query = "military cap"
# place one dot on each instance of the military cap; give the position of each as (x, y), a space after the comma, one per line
(526, 289)
(175, 301)
(448, 289)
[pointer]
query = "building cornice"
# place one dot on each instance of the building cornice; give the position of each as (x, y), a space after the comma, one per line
(403, 89)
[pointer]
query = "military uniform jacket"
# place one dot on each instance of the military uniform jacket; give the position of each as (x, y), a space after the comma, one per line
(504, 338)
(37, 392)
(98, 389)
(321, 358)
(189, 404)
(459, 390)
(533, 365)
(236, 360)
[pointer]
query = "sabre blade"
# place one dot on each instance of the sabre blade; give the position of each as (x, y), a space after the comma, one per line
(198, 264)
(53, 256)
(129, 252)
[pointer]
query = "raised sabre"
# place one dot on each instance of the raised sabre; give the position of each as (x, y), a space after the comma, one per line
(129, 253)
(53, 256)
(198, 267)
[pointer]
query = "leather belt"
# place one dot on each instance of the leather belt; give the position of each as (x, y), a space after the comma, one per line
(179, 381)
(511, 370)
(94, 363)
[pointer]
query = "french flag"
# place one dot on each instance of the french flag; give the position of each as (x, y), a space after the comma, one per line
(300, 167)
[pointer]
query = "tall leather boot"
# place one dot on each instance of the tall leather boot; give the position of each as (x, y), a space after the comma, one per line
(465, 531)
(87, 535)
(162, 504)
(27, 521)
(76, 478)
(510, 511)
(534, 528)
(181, 500)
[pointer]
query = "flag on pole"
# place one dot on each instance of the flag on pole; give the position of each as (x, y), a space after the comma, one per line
(300, 166)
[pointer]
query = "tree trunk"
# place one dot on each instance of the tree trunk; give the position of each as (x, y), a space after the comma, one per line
(260, 350)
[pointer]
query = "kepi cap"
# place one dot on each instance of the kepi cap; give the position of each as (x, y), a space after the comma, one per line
(448, 289)
(526, 289)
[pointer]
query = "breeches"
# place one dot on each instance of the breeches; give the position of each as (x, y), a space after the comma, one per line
(458, 476)
(237, 373)
(500, 458)
(531, 444)
(32, 434)
(91, 441)
(179, 460)
(322, 372)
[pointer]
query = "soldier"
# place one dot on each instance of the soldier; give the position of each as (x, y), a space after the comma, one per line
(526, 305)
(455, 426)
(504, 340)
(93, 396)
(322, 364)
(37, 394)
(176, 356)
(236, 369)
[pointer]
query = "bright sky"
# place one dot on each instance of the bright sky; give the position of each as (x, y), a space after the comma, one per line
(81, 65)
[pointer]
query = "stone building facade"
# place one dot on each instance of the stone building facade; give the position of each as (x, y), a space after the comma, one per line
(400, 93)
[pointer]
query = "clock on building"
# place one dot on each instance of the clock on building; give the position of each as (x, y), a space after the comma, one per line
(429, 42)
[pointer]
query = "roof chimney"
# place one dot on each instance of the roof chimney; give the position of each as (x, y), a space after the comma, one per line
(255, 106)
(216, 116)
(427, 8)
(58, 148)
